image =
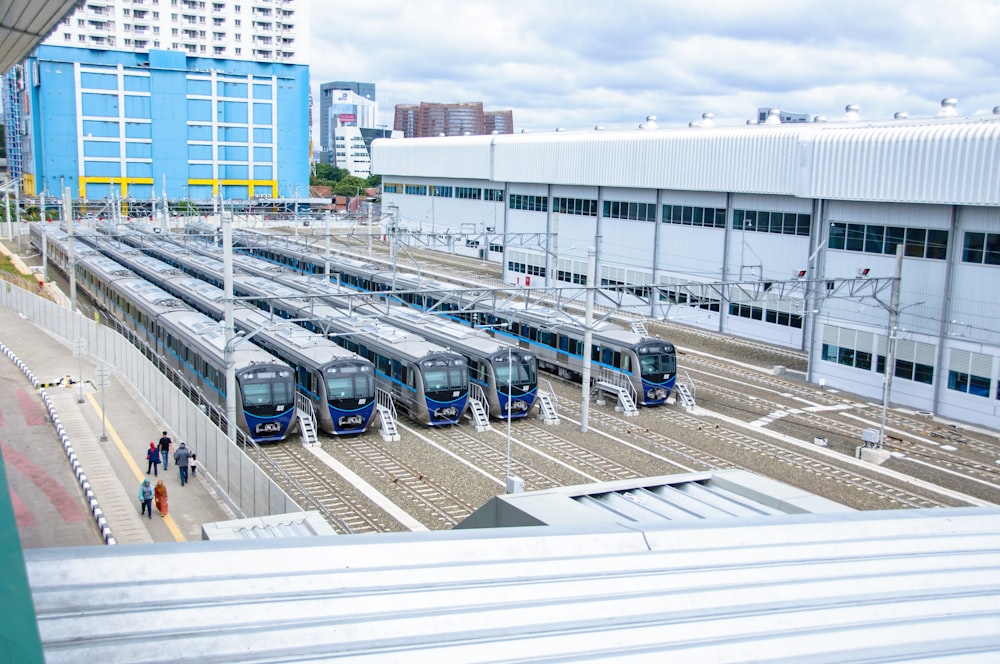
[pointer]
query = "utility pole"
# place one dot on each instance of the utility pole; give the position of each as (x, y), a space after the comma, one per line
(890, 360)
(588, 337)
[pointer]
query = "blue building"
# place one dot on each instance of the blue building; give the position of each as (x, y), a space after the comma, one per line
(158, 124)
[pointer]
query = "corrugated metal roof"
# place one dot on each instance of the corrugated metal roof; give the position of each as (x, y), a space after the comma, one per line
(939, 160)
(298, 524)
(718, 494)
(850, 586)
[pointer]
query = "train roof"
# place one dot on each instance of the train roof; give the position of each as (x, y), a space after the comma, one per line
(461, 338)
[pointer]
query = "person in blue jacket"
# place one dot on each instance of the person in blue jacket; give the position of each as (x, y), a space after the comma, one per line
(146, 498)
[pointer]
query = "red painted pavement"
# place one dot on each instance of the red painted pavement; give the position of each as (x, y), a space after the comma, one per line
(33, 413)
(22, 514)
(64, 502)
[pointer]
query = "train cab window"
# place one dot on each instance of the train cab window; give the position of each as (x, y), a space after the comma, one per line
(340, 387)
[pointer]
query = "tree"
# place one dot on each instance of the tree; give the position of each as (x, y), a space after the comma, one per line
(349, 186)
(328, 175)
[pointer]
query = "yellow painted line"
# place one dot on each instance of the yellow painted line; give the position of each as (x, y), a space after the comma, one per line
(130, 460)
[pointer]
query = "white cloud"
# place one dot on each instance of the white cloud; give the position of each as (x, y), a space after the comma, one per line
(583, 63)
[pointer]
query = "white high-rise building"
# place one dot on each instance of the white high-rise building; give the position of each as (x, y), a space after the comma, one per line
(260, 30)
(350, 151)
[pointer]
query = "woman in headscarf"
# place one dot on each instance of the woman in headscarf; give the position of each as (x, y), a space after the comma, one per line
(160, 496)
(152, 459)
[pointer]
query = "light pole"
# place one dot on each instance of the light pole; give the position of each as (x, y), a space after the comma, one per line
(510, 391)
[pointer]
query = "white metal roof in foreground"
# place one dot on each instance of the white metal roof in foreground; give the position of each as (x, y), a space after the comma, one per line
(849, 586)
(24, 23)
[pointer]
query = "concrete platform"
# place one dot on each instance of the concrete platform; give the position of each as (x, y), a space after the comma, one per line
(108, 436)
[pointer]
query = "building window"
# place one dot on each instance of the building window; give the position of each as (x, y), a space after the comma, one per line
(582, 206)
(629, 210)
(914, 360)
(435, 190)
(875, 239)
(530, 203)
(782, 223)
(970, 373)
(469, 193)
(687, 215)
(493, 195)
(415, 189)
(852, 348)
(981, 248)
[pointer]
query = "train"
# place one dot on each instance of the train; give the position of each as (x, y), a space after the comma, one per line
(339, 385)
(188, 341)
(646, 366)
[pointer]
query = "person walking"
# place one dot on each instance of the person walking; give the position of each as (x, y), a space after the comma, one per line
(181, 457)
(146, 498)
(160, 497)
(152, 459)
(193, 464)
(165, 443)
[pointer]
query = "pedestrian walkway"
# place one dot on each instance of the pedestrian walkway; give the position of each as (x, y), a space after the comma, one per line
(107, 433)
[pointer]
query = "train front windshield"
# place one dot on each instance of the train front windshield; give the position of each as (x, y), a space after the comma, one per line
(352, 383)
(267, 392)
(519, 370)
(657, 362)
(441, 376)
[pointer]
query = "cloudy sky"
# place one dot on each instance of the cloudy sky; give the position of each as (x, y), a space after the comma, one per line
(578, 63)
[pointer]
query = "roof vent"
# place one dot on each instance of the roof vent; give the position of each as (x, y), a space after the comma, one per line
(996, 110)
(819, 118)
(598, 128)
(900, 115)
(851, 113)
(948, 109)
(773, 116)
(560, 129)
(650, 122)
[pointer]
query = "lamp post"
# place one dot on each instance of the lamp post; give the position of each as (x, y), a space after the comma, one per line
(510, 390)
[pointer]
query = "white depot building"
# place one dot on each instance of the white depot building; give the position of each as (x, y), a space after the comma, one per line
(785, 233)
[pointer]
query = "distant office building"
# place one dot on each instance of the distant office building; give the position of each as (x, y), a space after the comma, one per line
(191, 100)
(783, 116)
(459, 119)
(332, 95)
(498, 122)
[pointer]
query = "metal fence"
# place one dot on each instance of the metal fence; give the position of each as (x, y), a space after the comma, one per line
(235, 473)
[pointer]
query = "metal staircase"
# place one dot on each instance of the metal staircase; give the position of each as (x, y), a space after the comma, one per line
(386, 410)
(639, 327)
(547, 408)
(307, 420)
(686, 394)
(478, 408)
(617, 384)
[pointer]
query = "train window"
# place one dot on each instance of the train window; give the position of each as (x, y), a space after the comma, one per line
(436, 379)
(340, 387)
(256, 394)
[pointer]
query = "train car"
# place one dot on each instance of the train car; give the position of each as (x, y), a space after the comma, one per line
(506, 374)
(339, 384)
(557, 339)
(194, 345)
